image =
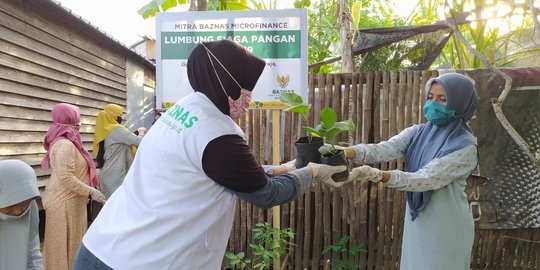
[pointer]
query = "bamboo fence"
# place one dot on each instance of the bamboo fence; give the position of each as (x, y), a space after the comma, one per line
(381, 104)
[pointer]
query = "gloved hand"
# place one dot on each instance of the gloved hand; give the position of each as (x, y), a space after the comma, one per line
(335, 146)
(347, 150)
(97, 196)
(323, 173)
(141, 131)
(365, 173)
(290, 165)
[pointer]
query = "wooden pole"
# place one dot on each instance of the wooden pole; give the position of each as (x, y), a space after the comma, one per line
(275, 161)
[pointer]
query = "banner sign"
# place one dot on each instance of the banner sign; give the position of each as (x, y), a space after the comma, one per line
(277, 36)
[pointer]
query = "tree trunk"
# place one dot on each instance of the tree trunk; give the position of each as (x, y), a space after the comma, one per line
(202, 5)
(198, 5)
(346, 34)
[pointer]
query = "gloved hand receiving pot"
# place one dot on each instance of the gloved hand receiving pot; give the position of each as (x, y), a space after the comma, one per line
(323, 173)
(347, 150)
(338, 147)
(365, 173)
(362, 173)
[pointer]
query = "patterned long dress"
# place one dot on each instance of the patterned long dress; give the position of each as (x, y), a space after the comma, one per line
(64, 201)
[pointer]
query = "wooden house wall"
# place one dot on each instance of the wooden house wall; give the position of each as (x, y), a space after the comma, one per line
(45, 61)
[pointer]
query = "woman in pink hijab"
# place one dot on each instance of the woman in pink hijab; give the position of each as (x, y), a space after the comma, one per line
(73, 179)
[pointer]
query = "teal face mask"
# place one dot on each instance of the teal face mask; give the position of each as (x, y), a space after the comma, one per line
(438, 114)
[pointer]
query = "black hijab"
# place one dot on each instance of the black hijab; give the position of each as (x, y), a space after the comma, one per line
(245, 67)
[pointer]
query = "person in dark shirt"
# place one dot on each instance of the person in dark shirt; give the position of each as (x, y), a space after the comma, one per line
(179, 194)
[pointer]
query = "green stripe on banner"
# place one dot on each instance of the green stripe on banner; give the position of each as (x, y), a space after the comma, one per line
(269, 44)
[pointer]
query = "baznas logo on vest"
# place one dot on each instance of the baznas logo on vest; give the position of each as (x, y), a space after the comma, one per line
(179, 114)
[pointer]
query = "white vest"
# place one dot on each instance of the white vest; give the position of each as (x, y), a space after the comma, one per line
(168, 214)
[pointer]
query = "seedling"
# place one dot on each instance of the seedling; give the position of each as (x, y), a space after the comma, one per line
(270, 244)
(346, 254)
(329, 129)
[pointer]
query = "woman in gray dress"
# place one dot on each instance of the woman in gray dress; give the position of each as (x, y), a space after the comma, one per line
(113, 147)
(439, 157)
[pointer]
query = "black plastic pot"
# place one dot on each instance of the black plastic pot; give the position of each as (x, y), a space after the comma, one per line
(335, 160)
(307, 150)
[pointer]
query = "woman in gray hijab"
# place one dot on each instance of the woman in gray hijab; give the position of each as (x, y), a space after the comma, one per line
(19, 220)
(440, 155)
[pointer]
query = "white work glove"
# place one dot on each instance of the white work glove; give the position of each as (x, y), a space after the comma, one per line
(346, 149)
(362, 173)
(365, 173)
(335, 146)
(97, 196)
(323, 173)
(290, 165)
(141, 131)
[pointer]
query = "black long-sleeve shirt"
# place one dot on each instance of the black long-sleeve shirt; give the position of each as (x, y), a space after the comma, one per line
(228, 161)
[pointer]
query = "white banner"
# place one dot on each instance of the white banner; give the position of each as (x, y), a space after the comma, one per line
(277, 36)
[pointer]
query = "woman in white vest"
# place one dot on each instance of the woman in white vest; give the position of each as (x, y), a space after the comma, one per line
(175, 208)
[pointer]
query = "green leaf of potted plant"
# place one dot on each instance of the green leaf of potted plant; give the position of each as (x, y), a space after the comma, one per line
(329, 129)
(306, 146)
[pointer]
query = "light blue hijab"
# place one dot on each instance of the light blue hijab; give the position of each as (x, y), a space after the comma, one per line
(430, 141)
(19, 236)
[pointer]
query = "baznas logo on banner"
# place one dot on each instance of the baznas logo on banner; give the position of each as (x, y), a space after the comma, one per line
(277, 36)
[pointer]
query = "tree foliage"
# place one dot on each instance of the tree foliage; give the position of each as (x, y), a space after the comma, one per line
(487, 19)
(324, 32)
(484, 31)
(155, 6)
(323, 36)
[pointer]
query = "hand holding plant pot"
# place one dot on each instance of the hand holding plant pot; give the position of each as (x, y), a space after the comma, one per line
(329, 129)
(306, 146)
(362, 173)
(323, 173)
(366, 173)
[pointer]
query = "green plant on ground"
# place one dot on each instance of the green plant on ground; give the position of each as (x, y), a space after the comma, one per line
(345, 254)
(270, 243)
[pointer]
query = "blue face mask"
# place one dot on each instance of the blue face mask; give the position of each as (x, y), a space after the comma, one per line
(438, 114)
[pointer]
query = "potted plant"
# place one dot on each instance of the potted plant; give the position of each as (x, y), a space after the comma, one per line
(307, 147)
(329, 129)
